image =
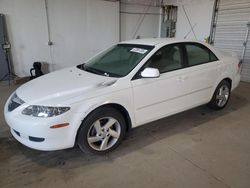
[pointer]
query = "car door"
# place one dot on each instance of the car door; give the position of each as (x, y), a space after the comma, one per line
(202, 72)
(158, 97)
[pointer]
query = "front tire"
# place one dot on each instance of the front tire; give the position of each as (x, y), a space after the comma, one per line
(221, 96)
(102, 131)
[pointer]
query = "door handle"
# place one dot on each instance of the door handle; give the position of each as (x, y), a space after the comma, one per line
(179, 79)
(182, 78)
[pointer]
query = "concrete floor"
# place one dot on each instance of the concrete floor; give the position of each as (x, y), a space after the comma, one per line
(198, 148)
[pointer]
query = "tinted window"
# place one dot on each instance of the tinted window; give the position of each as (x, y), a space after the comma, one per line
(212, 56)
(166, 59)
(117, 61)
(198, 54)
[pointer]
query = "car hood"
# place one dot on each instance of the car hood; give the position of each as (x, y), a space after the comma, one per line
(59, 86)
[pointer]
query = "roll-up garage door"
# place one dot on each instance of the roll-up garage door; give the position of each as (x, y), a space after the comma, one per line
(230, 30)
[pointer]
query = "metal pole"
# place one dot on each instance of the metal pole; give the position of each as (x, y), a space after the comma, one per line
(245, 41)
(214, 21)
(50, 43)
(120, 22)
(47, 19)
(160, 19)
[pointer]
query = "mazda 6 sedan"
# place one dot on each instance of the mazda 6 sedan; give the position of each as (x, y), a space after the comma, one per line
(94, 104)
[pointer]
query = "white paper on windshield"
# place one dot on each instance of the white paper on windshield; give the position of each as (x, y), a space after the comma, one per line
(139, 50)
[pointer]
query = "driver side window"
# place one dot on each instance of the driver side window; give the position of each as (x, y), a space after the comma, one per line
(168, 58)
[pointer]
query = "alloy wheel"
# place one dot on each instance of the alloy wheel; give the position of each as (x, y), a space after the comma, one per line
(104, 133)
(222, 95)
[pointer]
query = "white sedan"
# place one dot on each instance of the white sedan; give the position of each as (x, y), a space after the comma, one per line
(132, 83)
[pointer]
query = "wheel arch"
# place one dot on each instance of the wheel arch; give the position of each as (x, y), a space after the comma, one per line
(213, 101)
(120, 109)
(227, 78)
(115, 106)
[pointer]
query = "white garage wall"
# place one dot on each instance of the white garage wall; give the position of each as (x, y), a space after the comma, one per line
(27, 30)
(129, 21)
(79, 29)
(199, 13)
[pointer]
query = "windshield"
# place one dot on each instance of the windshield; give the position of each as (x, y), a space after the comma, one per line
(117, 61)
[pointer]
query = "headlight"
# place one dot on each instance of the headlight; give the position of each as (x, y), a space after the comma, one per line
(44, 111)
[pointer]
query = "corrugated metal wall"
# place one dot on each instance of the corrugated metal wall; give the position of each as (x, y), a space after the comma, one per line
(230, 31)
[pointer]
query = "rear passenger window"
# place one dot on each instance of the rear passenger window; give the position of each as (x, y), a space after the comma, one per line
(198, 54)
(212, 56)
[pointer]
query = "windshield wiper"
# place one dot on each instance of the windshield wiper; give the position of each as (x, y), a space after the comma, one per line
(82, 67)
(97, 71)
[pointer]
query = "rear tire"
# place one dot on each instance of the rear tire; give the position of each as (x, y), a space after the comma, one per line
(221, 96)
(102, 131)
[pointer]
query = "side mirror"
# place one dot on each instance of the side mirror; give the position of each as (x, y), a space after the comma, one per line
(150, 73)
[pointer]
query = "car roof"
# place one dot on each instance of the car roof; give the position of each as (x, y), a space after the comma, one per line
(159, 42)
(156, 41)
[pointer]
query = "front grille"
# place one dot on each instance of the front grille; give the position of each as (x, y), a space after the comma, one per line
(13, 105)
(36, 139)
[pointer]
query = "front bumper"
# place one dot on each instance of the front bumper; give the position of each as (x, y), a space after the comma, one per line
(36, 133)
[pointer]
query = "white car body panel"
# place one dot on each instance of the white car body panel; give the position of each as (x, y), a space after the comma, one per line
(145, 99)
(171, 90)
